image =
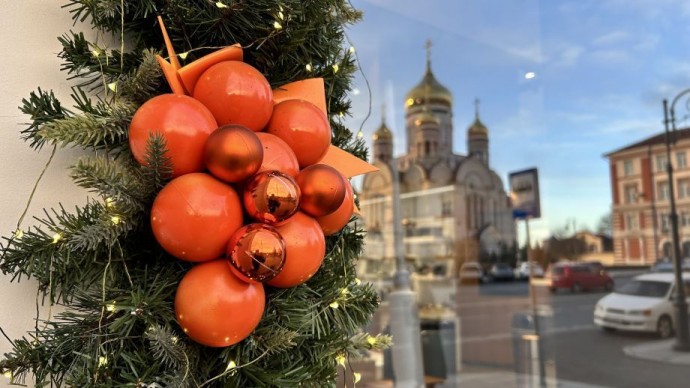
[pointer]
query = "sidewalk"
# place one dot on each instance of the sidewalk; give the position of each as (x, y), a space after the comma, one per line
(660, 351)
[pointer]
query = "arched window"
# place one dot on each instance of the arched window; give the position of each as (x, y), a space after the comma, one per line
(686, 249)
(666, 250)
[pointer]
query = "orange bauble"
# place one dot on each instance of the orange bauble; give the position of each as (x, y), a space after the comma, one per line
(334, 222)
(271, 197)
(305, 249)
(236, 93)
(233, 153)
(304, 127)
(194, 216)
(184, 123)
(322, 190)
(215, 308)
(278, 156)
(256, 253)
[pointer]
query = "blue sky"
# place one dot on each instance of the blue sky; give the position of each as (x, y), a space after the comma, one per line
(602, 69)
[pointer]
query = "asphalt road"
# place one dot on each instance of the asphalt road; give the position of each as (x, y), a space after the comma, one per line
(575, 350)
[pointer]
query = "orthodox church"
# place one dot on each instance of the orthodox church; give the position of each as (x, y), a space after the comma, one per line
(454, 208)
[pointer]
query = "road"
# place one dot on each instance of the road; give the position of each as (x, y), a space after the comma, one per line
(574, 348)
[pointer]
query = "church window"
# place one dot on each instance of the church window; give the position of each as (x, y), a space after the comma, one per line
(427, 148)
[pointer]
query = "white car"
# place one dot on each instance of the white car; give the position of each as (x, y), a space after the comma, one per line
(645, 303)
(472, 273)
(522, 270)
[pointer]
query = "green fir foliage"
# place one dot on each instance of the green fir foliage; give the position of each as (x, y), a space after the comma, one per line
(101, 260)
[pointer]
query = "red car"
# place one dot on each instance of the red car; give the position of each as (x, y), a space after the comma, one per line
(578, 277)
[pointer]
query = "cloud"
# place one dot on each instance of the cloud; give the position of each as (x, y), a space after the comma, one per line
(612, 38)
(611, 57)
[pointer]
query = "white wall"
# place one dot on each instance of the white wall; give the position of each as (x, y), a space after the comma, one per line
(29, 31)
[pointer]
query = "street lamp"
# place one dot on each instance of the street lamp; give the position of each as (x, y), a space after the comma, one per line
(682, 334)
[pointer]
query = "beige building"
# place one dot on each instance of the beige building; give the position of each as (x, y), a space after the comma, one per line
(453, 207)
(640, 194)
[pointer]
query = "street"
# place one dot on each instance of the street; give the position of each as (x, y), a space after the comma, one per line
(575, 349)
(495, 331)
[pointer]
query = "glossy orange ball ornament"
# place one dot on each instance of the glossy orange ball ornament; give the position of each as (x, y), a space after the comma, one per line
(236, 93)
(194, 216)
(233, 153)
(256, 252)
(271, 197)
(304, 127)
(184, 123)
(334, 222)
(305, 249)
(215, 308)
(322, 190)
(278, 156)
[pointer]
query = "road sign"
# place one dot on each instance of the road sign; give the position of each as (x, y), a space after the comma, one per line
(524, 193)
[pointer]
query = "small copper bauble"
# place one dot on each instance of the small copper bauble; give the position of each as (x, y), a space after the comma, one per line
(256, 252)
(322, 188)
(271, 197)
(233, 153)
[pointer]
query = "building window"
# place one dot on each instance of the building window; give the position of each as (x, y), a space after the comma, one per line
(684, 188)
(631, 222)
(627, 168)
(664, 222)
(662, 191)
(661, 162)
(446, 209)
(681, 161)
(684, 219)
(630, 193)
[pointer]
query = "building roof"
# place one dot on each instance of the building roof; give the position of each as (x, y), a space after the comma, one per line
(659, 138)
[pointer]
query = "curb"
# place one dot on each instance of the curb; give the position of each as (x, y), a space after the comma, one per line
(658, 351)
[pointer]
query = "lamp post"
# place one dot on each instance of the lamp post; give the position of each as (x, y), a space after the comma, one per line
(682, 335)
(404, 316)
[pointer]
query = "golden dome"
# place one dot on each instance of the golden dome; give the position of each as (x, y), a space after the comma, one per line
(383, 133)
(430, 87)
(425, 118)
(477, 129)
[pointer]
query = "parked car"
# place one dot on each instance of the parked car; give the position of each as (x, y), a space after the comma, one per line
(666, 265)
(578, 277)
(645, 303)
(522, 271)
(501, 272)
(472, 273)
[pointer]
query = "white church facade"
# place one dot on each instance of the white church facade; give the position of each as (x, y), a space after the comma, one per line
(454, 208)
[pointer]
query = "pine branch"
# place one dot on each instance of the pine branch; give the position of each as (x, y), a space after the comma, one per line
(157, 169)
(113, 180)
(94, 65)
(92, 130)
(43, 108)
(143, 83)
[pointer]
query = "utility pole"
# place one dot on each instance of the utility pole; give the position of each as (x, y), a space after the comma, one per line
(404, 316)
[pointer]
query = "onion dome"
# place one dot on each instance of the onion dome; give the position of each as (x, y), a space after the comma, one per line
(425, 118)
(429, 90)
(383, 133)
(477, 129)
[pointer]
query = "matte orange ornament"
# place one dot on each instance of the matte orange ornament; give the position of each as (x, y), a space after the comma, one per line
(233, 153)
(334, 222)
(236, 93)
(271, 197)
(305, 250)
(278, 156)
(310, 89)
(322, 190)
(185, 124)
(194, 216)
(215, 308)
(304, 127)
(256, 252)
(189, 74)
